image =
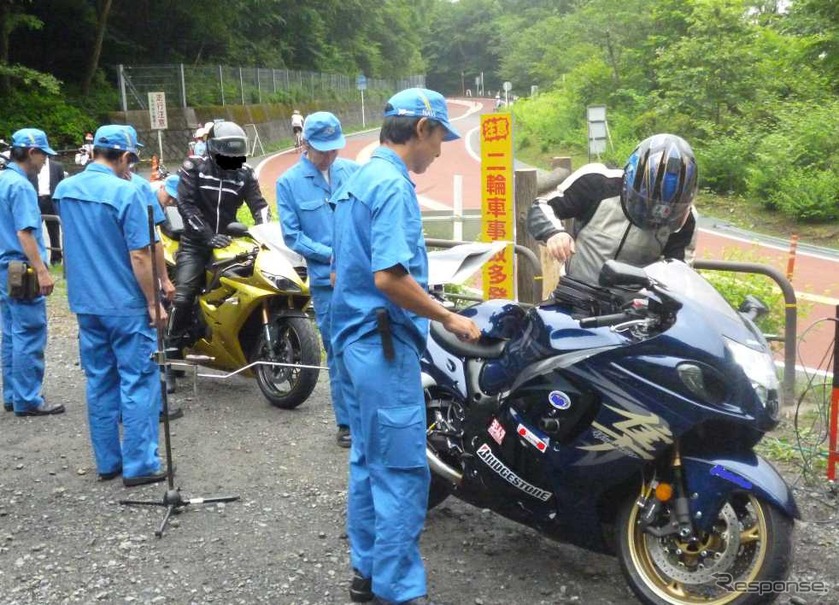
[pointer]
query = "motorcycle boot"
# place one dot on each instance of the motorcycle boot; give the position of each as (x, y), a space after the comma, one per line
(177, 337)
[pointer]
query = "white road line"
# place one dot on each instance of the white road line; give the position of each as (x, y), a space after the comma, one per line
(468, 142)
(765, 245)
(815, 298)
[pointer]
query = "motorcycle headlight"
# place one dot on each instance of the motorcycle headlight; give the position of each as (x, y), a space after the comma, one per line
(759, 368)
(282, 283)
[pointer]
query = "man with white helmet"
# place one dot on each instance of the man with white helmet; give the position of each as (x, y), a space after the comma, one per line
(297, 123)
(210, 191)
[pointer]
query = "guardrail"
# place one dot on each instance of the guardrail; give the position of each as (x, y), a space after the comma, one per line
(790, 312)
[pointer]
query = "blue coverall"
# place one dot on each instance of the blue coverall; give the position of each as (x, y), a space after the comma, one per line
(104, 219)
(305, 213)
(24, 321)
(378, 226)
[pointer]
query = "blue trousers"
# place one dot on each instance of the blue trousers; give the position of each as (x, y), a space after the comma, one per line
(24, 341)
(122, 379)
(389, 476)
(322, 299)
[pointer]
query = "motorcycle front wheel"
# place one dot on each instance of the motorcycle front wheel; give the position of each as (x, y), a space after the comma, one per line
(749, 545)
(294, 341)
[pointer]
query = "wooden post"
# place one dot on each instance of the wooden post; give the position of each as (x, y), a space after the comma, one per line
(527, 282)
(561, 162)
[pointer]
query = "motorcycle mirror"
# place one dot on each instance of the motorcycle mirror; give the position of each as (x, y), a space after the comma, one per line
(237, 230)
(753, 308)
(614, 273)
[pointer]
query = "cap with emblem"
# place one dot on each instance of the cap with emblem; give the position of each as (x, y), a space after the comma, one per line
(422, 103)
(32, 138)
(116, 136)
(323, 131)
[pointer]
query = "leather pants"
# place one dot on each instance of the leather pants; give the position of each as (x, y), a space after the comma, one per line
(190, 268)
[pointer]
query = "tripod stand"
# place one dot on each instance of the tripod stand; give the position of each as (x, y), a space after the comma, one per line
(173, 501)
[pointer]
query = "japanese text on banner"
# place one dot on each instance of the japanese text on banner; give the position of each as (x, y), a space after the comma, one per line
(497, 202)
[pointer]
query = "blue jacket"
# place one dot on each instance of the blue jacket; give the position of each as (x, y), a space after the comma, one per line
(305, 211)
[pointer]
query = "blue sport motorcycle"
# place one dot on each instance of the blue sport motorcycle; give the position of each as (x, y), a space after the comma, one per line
(621, 419)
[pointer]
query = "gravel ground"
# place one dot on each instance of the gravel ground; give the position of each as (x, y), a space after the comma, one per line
(65, 539)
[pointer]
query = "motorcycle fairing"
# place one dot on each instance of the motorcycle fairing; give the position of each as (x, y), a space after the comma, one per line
(713, 478)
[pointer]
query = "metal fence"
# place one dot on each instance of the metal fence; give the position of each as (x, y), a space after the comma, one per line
(193, 86)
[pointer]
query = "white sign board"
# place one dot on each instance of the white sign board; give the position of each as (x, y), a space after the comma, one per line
(157, 111)
(598, 130)
(508, 86)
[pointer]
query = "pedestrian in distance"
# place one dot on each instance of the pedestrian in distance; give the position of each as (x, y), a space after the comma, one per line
(306, 212)
(110, 288)
(637, 215)
(380, 313)
(297, 123)
(25, 280)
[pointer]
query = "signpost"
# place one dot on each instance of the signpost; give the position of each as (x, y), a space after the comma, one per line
(508, 86)
(158, 118)
(498, 203)
(361, 84)
(598, 130)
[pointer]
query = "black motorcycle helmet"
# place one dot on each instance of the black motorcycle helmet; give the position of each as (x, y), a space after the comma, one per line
(659, 183)
(227, 144)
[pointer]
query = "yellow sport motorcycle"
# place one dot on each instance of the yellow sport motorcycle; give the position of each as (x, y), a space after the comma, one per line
(251, 316)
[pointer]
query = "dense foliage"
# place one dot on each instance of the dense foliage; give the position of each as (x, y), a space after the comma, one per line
(750, 83)
(57, 57)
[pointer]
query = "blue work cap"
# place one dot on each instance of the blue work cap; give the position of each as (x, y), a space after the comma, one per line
(33, 139)
(171, 185)
(323, 131)
(422, 103)
(116, 136)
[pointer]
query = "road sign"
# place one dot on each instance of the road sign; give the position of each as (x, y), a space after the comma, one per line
(598, 130)
(361, 82)
(508, 86)
(157, 111)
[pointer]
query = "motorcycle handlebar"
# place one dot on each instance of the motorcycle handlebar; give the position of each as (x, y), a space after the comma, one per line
(602, 321)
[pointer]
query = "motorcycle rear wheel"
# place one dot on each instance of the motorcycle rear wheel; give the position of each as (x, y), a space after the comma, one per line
(751, 541)
(296, 342)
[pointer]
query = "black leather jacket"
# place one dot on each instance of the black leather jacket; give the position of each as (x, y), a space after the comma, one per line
(208, 197)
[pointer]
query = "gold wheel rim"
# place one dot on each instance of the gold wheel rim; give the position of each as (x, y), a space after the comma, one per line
(677, 593)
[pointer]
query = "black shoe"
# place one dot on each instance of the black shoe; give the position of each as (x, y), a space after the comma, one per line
(111, 475)
(9, 407)
(45, 409)
(174, 414)
(343, 437)
(146, 479)
(361, 588)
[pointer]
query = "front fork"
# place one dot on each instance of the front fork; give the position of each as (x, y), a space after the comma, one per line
(675, 495)
(266, 327)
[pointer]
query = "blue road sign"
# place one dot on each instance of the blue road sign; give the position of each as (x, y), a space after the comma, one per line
(361, 82)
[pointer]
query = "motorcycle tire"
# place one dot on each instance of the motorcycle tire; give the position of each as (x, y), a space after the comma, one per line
(297, 342)
(656, 571)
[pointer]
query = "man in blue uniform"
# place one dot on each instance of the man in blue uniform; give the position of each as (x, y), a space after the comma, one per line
(21, 239)
(380, 312)
(305, 209)
(110, 289)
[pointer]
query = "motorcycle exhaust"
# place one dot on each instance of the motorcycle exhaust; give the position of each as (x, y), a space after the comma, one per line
(442, 469)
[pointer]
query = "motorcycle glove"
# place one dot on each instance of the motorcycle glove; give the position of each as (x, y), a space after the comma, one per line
(220, 240)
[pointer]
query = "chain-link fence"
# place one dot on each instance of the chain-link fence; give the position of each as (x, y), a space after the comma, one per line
(187, 86)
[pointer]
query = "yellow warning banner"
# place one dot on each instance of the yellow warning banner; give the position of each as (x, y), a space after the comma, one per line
(497, 203)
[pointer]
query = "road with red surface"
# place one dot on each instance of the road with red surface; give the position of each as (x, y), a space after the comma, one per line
(816, 278)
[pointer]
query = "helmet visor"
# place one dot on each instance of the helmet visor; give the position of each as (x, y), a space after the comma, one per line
(229, 146)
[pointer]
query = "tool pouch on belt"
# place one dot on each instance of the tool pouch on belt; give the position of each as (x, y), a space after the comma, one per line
(22, 281)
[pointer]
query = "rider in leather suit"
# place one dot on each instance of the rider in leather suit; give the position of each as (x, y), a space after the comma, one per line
(210, 191)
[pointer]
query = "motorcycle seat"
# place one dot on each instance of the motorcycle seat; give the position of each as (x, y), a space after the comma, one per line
(486, 348)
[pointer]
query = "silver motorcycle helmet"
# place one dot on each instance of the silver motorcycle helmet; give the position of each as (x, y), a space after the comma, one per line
(659, 183)
(227, 139)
